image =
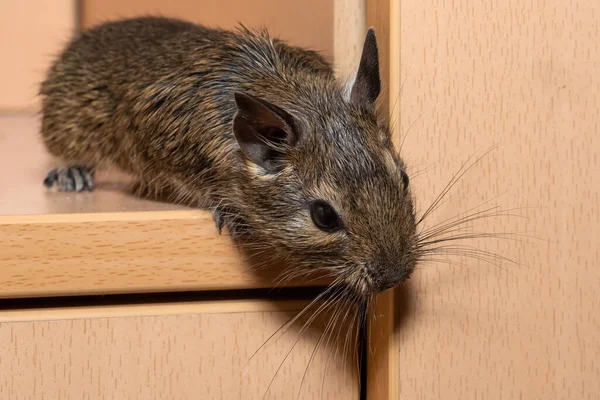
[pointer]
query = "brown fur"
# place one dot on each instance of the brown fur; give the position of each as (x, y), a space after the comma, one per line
(154, 97)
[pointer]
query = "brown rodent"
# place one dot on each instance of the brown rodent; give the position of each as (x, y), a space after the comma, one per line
(258, 131)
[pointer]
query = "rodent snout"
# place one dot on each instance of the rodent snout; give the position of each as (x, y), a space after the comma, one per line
(387, 277)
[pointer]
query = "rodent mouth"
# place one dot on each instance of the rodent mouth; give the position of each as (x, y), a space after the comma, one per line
(388, 285)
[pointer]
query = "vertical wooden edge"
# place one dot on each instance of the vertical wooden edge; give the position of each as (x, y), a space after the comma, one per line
(382, 364)
(78, 15)
(382, 353)
(349, 28)
(394, 77)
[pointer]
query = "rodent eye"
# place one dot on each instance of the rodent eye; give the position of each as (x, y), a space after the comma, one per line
(405, 179)
(324, 216)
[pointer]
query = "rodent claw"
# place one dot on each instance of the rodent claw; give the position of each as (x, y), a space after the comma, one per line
(218, 221)
(71, 179)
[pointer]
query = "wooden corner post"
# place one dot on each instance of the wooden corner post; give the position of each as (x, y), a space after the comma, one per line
(382, 363)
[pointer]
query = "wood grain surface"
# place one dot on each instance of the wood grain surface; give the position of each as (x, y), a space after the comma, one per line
(122, 253)
(32, 32)
(336, 30)
(349, 28)
(523, 78)
(295, 21)
(189, 351)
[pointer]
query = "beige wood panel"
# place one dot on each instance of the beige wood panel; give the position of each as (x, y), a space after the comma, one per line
(31, 33)
(148, 309)
(194, 353)
(349, 29)
(337, 28)
(522, 76)
(295, 21)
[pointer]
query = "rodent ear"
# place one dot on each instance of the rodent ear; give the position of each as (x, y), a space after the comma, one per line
(263, 131)
(367, 84)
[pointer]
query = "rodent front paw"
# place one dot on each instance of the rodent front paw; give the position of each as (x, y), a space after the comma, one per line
(70, 179)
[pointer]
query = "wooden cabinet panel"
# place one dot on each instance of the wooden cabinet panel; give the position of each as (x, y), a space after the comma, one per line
(178, 351)
(336, 28)
(32, 33)
(523, 77)
(296, 21)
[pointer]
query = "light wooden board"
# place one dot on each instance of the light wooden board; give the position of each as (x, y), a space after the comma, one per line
(32, 33)
(124, 253)
(146, 309)
(522, 76)
(336, 30)
(173, 351)
(384, 15)
(289, 20)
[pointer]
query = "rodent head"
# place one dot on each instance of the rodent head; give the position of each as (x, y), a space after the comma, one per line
(329, 190)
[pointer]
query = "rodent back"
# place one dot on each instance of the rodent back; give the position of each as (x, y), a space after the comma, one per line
(155, 95)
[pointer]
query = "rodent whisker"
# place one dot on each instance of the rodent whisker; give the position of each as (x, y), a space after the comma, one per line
(337, 329)
(306, 325)
(458, 228)
(286, 325)
(467, 250)
(487, 257)
(292, 275)
(456, 223)
(309, 273)
(393, 110)
(465, 213)
(457, 176)
(424, 170)
(407, 132)
(465, 217)
(354, 329)
(323, 334)
(447, 261)
(474, 235)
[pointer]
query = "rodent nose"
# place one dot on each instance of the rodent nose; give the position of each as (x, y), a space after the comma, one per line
(392, 277)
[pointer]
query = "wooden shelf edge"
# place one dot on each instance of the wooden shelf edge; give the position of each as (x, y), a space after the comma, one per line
(115, 253)
(149, 310)
(106, 217)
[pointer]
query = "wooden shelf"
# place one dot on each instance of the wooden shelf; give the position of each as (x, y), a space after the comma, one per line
(107, 241)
